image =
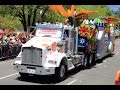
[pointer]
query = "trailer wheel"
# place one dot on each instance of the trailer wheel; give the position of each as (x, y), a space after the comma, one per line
(23, 75)
(60, 72)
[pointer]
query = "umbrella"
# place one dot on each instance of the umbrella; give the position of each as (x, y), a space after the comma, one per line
(1, 31)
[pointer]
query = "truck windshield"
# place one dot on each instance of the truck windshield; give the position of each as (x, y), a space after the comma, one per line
(49, 32)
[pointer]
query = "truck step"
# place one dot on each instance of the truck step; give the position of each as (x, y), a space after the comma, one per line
(72, 67)
(78, 64)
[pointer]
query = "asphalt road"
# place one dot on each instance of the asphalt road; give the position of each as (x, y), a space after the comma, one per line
(103, 73)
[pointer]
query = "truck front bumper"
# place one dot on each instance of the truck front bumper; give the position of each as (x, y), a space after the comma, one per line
(34, 69)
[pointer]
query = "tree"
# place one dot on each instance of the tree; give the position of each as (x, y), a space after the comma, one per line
(26, 14)
(118, 14)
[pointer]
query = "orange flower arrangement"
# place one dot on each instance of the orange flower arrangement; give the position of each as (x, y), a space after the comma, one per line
(62, 11)
(87, 32)
(83, 30)
(70, 12)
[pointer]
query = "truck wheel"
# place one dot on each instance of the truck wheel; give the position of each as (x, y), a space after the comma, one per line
(85, 61)
(23, 75)
(60, 72)
(90, 57)
(94, 58)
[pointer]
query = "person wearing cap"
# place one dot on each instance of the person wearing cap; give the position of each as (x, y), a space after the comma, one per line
(92, 24)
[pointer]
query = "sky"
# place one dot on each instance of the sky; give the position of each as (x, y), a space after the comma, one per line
(114, 7)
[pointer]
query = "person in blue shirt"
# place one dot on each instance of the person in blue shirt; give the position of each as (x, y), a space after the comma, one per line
(4, 48)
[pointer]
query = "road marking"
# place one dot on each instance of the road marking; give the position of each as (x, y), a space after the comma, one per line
(71, 82)
(100, 64)
(80, 81)
(104, 61)
(117, 53)
(8, 76)
(104, 66)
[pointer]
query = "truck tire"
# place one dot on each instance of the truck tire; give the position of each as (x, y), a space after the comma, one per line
(85, 61)
(60, 72)
(23, 75)
(90, 58)
(94, 58)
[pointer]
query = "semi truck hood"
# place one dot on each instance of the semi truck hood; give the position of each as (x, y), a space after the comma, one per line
(40, 42)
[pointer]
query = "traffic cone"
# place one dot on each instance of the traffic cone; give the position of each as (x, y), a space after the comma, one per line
(117, 78)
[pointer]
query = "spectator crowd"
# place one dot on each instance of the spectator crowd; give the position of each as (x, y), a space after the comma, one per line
(10, 44)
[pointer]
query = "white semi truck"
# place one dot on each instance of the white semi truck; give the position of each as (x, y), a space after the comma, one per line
(56, 49)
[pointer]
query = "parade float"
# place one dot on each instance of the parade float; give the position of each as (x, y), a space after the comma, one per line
(57, 48)
(84, 29)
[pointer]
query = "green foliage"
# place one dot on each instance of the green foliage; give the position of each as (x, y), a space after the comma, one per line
(7, 18)
(8, 13)
(102, 10)
(10, 23)
(51, 16)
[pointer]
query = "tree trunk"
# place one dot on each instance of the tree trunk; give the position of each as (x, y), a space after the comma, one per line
(24, 19)
(29, 15)
(34, 15)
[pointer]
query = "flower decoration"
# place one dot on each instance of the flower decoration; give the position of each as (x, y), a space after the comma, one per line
(95, 31)
(62, 11)
(87, 31)
(83, 30)
(107, 31)
(111, 19)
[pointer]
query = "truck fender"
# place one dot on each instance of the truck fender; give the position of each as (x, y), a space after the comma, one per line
(58, 58)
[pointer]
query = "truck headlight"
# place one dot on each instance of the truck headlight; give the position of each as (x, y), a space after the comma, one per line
(52, 62)
(18, 58)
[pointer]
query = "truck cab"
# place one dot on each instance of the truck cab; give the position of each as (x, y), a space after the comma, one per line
(56, 49)
(48, 52)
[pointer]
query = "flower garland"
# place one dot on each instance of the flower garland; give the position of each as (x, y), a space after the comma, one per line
(90, 33)
(87, 31)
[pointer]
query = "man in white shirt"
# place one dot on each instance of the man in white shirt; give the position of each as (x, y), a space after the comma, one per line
(92, 23)
(86, 21)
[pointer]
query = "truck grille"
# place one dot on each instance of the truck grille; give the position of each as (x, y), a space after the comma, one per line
(32, 56)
